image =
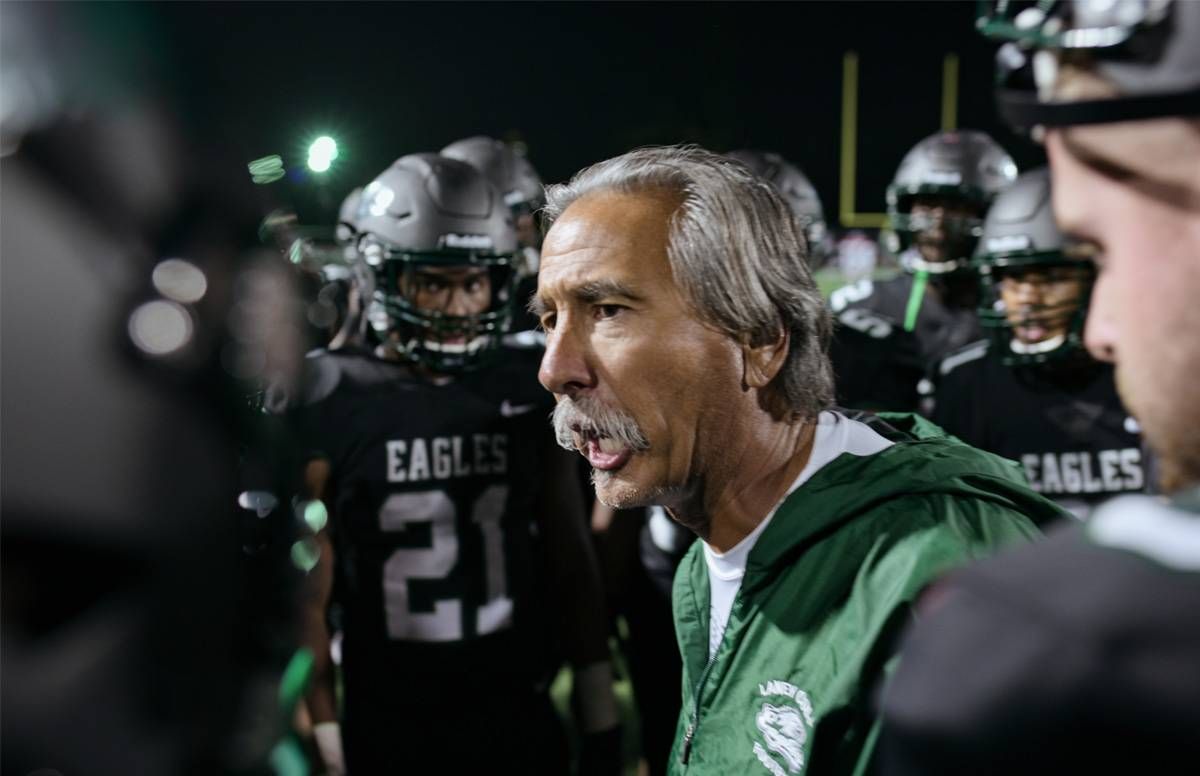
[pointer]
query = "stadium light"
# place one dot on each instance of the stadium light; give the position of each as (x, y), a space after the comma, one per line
(321, 153)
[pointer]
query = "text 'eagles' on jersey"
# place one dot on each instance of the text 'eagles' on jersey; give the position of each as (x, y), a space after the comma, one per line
(1030, 392)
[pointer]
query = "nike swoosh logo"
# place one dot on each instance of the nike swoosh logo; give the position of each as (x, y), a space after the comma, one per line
(508, 410)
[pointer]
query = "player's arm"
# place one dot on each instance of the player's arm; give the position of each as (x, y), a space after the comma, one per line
(321, 699)
(575, 574)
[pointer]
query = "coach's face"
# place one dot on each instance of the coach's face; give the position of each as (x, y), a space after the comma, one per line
(646, 391)
(1143, 314)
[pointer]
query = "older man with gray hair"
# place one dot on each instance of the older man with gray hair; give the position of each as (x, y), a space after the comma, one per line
(686, 347)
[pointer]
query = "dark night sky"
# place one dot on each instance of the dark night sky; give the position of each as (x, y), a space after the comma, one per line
(578, 82)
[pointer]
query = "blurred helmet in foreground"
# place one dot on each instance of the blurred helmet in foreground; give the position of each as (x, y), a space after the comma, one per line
(137, 638)
(1147, 50)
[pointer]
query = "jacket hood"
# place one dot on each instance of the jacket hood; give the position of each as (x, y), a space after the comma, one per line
(923, 461)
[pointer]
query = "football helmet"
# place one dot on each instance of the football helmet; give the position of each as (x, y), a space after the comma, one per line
(798, 192)
(510, 172)
(347, 221)
(939, 195)
(353, 283)
(1034, 286)
(519, 184)
(334, 288)
(443, 248)
(1148, 49)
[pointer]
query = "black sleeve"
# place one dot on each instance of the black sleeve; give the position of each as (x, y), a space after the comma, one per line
(971, 693)
(1059, 657)
(305, 410)
(874, 367)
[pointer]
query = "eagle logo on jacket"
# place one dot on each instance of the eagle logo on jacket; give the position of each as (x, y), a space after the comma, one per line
(783, 731)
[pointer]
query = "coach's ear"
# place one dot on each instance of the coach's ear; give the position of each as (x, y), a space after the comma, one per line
(761, 362)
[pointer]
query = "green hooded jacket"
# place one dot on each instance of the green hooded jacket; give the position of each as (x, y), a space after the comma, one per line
(827, 588)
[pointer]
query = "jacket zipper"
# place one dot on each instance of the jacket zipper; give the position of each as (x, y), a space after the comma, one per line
(686, 750)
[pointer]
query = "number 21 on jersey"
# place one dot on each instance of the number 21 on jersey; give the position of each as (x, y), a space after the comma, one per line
(445, 622)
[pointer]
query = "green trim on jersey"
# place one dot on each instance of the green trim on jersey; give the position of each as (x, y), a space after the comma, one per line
(828, 587)
(913, 309)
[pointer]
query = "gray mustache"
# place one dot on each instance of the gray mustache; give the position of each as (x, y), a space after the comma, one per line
(589, 416)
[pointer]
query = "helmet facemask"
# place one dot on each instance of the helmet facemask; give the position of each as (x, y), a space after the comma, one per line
(1034, 305)
(446, 310)
(936, 228)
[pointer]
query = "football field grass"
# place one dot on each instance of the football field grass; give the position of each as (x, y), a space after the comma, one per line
(560, 694)
(829, 279)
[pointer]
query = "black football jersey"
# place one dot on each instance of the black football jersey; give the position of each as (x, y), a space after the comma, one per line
(1066, 427)
(1076, 654)
(433, 491)
(876, 363)
(939, 329)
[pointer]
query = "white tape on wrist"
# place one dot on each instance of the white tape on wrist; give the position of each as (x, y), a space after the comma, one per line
(329, 743)
(593, 686)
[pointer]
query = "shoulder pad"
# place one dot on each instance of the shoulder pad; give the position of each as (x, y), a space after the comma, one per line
(964, 355)
(1149, 527)
(872, 324)
(320, 376)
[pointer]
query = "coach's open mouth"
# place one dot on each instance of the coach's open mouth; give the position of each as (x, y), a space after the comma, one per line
(603, 453)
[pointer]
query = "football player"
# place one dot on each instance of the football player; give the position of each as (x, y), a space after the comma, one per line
(1030, 391)
(936, 205)
(798, 192)
(521, 187)
(456, 545)
(1078, 654)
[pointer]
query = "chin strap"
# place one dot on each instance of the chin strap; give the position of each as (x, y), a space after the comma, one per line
(1024, 110)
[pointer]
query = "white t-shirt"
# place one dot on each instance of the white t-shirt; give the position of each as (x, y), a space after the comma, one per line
(835, 434)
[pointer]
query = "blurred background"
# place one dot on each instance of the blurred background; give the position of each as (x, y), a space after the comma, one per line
(575, 83)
